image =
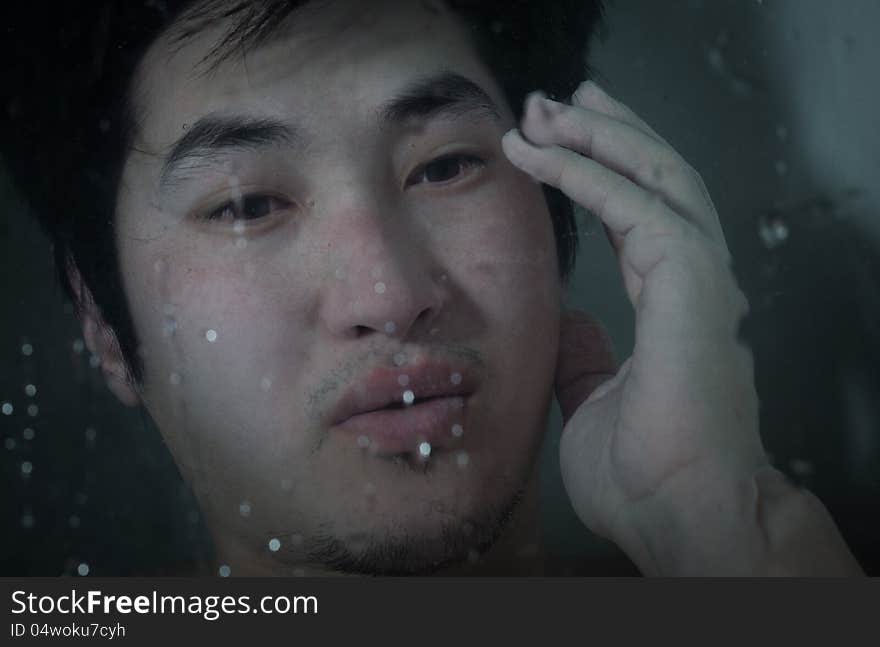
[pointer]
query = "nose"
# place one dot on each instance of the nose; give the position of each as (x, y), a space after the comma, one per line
(383, 278)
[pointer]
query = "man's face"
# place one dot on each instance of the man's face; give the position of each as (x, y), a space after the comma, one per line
(322, 253)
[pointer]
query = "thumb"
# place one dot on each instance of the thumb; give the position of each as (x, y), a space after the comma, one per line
(585, 360)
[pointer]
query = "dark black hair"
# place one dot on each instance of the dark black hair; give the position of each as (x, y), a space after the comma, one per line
(69, 120)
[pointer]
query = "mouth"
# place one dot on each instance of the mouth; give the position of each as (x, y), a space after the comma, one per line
(413, 410)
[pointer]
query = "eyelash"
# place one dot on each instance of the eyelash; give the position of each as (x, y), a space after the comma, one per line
(237, 206)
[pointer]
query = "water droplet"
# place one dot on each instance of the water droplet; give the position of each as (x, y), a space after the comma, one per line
(781, 167)
(457, 430)
(390, 327)
(773, 231)
(82, 569)
(27, 521)
(339, 273)
(73, 521)
(7, 409)
(399, 359)
(244, 509)
(81, 498)
(296, 539)
(363, 442)
(379, 288)
(30, 390)
(369, 489)
(224, 571)
(462, 459)
(27, 350)
(27, 467)
(211, 335)
(174, 378)
(286, 485)
(28, 433)
(78, 346)
(425, 449)
(94, 361)
(409, 397)
(33, 410)
(274, 544)
(455, 378)
(376, 272)
(239, 226)
(9, 443)
(443, 277)
(403, 380)
(266, 383)
(241, 243)
(800, 467)
(91, 434)
(457, 403)
(782, 132)
(715, 59)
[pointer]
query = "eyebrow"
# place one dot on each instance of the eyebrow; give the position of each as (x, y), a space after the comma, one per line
(443, 95)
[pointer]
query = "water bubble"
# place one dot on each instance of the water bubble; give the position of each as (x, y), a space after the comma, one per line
(773, 231)
(174, 378)
(399, 359)
(425, 449)
(78, 346)
(455, 378)
(241, 243)
(274, 544)
(27, 350)
(462, 459)
(390, 327)
(169, 326)
(224, 571)
(27, 520)
(266, 383)
(403, 380)
(379, 288)
(30, 390)
(211, 335)
(94, 361)
(457, 402)
(81, 498)
(286, 484)
(9, 443)
(244, 509)
(339, 273)
(715, 59)
(73, 521)
(782, 132)
(28, 433)
(363, 442)
(781, 167)
(296, 540)
(409, 397)
(91, 434)
(7, 409)
(457, 430)
(443, 277)
(239, 226)
(376, 272)
(82, 569)
(26, 468)
(33, 410)
(369, 489)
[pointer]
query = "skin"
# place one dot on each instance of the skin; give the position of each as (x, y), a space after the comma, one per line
(662, 455)
(469, 269)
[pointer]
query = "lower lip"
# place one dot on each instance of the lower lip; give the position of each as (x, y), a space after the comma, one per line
(396, 431)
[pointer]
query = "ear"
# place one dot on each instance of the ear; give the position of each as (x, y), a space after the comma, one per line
(101, 341)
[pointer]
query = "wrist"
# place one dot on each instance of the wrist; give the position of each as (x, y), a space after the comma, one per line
(712, 523)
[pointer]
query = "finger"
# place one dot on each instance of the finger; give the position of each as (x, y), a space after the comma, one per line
(617, 201)
(627, 150)
(586, 360)
(590, 95)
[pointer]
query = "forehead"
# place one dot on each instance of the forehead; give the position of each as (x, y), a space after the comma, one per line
(328, 58)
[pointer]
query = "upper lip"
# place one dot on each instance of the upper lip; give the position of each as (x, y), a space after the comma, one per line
(381, 387)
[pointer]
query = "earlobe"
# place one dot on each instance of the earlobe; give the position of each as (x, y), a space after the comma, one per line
(101, 341)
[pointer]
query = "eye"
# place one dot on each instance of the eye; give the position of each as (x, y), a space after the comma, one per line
(444, 169)
(253, 206)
